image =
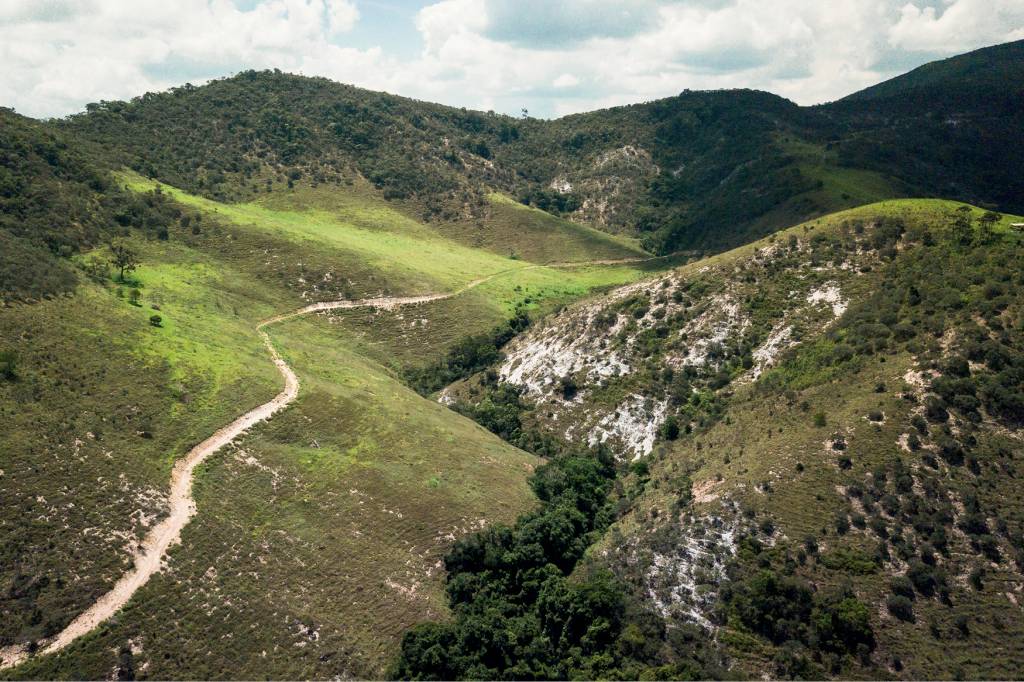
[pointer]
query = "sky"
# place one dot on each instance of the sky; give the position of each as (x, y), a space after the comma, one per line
(550, 57)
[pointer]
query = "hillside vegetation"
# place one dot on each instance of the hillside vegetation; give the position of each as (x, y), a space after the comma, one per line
(631, 427)
(109, 381)
(703, 170)
(831, 416)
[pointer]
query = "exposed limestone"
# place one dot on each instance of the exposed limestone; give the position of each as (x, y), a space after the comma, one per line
(633, 424)
(831, 295)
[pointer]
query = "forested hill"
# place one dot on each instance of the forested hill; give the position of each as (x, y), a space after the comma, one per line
(56, 199)
(949, 128)
(703, 170)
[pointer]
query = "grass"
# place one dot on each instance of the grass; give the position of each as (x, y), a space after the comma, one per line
(409, 257)
(103, 406)
(325, 517)
(330, 519)
(513, 229)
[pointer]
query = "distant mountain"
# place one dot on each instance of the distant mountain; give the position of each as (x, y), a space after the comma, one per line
(991, 73)
(703, 170)
(950, 128)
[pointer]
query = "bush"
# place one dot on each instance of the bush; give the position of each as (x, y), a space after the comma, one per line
(935, 409)
(670, 429)
(901, 585)
(156, 320)
(900, 607)
(922, 576)
(8, 365)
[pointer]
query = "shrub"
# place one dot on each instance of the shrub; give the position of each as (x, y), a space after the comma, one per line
(670, 429)
(901, 585)
(977, 577)
(156, 320)
(900, 607)
(922, 576)
(8, 365)
(568, 388)
(935, 409)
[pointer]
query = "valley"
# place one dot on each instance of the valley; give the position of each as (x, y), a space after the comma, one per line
(299, 380)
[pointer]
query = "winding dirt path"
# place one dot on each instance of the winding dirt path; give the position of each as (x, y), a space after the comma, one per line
(182, 507)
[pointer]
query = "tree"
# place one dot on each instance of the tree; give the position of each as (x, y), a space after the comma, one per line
(134, 297)
(985, 224)
(962, 226)
(670, 429)
(124, 258)
(125, 664)
(901, 607)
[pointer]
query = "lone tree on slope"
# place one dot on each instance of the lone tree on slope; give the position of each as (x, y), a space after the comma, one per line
(124, 258)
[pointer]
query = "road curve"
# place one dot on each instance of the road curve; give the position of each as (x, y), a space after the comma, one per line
(182, 507)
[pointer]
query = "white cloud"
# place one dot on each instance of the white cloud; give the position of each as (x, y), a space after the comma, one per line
(342, 16)
(566, 80)
(552, 58)
(961, 25)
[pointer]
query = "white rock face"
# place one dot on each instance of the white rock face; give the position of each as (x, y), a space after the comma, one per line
(561, 185)
(586, 342)
(723, 320)
(829, 294)
(539, 363)
(766, 354)
(683, 584)
(575, 343)
(632, 424)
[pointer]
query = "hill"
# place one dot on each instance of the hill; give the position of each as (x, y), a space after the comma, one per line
(323, 526)
(794, 457)
(822, 427)
(703, 170)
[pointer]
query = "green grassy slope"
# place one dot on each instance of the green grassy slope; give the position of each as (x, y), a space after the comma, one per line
(510, 228)
(318, 536)
(103, 403)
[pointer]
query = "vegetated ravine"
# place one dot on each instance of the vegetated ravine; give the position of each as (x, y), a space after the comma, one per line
(148, 559)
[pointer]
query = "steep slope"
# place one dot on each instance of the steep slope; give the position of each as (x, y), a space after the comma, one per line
(703, 170)
(950, 128)
(104, 388)
(55, 201)
(832, 417)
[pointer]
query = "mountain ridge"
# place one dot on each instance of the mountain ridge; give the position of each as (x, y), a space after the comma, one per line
(706, 170)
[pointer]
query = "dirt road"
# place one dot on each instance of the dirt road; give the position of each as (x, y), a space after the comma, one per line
(150, 555)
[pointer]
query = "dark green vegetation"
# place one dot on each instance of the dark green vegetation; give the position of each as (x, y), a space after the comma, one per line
(704, 170)
(521, 613)
(55, 202)
(469, 355)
